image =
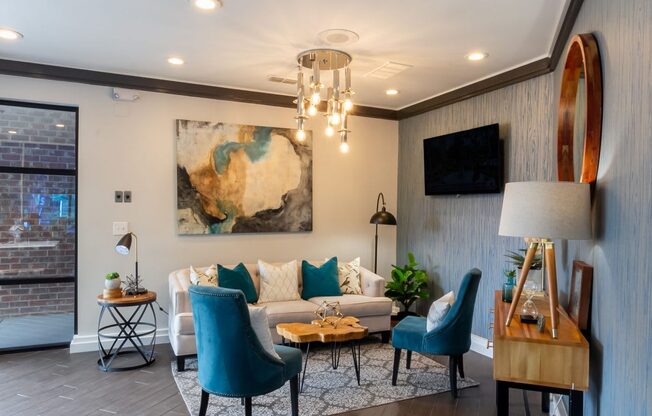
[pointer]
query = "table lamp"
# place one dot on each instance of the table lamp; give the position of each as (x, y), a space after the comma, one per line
(124, 247)
(381, 217)
(542, 211)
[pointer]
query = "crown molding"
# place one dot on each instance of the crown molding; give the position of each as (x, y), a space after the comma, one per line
(513, 76)
(85, 76)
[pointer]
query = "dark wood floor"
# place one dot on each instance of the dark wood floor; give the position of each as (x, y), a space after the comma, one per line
(56, 383)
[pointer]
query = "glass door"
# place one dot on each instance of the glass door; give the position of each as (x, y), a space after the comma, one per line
(38, 225)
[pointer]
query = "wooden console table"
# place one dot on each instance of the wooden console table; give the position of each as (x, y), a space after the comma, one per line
(526, 359)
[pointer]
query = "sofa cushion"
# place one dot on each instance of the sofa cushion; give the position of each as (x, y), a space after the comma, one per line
(357, 305)
(320, 281)
(183, 324)
(203, 277)
(278, 283)
(238, 278)
(290, 311)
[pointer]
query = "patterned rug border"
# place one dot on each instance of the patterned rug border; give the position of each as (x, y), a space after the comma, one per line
(192, 402)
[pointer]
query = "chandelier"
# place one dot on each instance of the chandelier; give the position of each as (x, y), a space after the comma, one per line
(338, 99)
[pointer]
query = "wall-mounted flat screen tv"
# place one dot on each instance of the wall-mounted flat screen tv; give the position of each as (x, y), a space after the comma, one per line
(466, 162)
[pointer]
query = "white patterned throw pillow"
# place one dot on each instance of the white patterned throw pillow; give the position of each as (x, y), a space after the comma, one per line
(278, 282)
(260, 325)
(349, 277)
(438, 310)
(205, 278)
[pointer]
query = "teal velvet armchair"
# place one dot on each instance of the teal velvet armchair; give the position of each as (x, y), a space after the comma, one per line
(452, 337)
(231, 361)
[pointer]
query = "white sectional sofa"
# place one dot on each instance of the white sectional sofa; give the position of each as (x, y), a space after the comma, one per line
(371, 307)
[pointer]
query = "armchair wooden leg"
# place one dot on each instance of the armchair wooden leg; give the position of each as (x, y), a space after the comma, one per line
(397, 360)
(408, 362)
(294, 395)
(384, 336)
(247, 406)
(460, 365)
(203, 404)
(452, 371)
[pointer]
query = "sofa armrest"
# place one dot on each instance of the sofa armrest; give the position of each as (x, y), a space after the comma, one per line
(179, 298)
(372, 284)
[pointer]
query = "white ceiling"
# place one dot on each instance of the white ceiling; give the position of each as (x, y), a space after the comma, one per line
(240, 44)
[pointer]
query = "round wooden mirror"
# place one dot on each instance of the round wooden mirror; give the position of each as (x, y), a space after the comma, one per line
(580, 112)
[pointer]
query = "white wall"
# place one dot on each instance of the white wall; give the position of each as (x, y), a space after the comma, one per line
(130, 146)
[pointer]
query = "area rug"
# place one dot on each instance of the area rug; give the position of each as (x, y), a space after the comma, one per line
(327, 391)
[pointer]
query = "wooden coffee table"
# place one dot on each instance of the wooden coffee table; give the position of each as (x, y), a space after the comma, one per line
(347, 330)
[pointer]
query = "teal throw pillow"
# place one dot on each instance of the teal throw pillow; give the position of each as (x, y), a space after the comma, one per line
(238, 278)
(320, 281)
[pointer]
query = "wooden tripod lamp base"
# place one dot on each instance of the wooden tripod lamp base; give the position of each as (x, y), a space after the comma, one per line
(551, 274)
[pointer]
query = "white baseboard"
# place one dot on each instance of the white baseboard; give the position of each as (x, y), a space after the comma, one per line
(86, 343)
(479, 345)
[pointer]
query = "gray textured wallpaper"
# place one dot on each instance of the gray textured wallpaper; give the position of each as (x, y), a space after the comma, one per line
(451, 235)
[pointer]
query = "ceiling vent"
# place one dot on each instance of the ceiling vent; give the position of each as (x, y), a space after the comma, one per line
(281, 80)
(387, 70)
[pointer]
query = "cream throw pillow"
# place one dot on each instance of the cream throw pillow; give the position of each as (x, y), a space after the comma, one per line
(260, 325)
(278, 283)
(349, 277)
(438, 310)
(206, 278)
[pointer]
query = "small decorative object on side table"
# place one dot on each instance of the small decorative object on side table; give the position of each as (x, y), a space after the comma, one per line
(508, 286)
(130, 328)
(112, 286)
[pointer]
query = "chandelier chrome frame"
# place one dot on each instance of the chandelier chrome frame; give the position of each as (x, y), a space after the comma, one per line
(338, 100)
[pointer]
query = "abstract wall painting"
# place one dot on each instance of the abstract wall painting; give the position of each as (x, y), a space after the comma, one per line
(234, 178)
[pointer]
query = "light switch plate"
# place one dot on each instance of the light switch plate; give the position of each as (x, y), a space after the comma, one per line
(120, 227)
(118, 196)
(127, 197)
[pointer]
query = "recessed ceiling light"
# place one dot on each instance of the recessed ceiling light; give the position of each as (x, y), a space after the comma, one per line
(60, 125)
(207, 4)
(391, 91)
(338, 37)
(476, 56)
(9, 34)
(12, 131)
(175, 61)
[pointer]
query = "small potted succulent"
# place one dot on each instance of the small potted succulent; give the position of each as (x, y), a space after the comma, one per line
(112, 280)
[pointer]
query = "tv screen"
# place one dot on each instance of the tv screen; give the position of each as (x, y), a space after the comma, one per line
(466, 162)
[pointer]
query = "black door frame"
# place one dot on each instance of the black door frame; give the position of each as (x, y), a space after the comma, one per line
(59, 172)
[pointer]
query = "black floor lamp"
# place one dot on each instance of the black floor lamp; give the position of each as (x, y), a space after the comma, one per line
(381, 217)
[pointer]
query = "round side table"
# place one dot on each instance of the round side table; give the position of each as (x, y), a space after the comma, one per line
(128, 327)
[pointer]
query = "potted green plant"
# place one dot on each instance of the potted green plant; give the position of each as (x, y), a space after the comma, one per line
(112, 280)
(408, 284)
(517, 258)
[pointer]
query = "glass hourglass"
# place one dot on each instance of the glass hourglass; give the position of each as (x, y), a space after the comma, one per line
(530, 289)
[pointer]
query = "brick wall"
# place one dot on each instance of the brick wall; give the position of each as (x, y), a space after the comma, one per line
(44, 205)
(20, 300)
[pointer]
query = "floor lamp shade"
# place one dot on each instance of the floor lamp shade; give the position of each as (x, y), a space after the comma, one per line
(381, 217)
(552, 210)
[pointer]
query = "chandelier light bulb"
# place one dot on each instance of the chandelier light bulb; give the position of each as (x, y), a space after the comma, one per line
(301, 135)
(312, 110)
(330, 130)
(315, 99)
(348, 104)
(344, 147)
(335, 119)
